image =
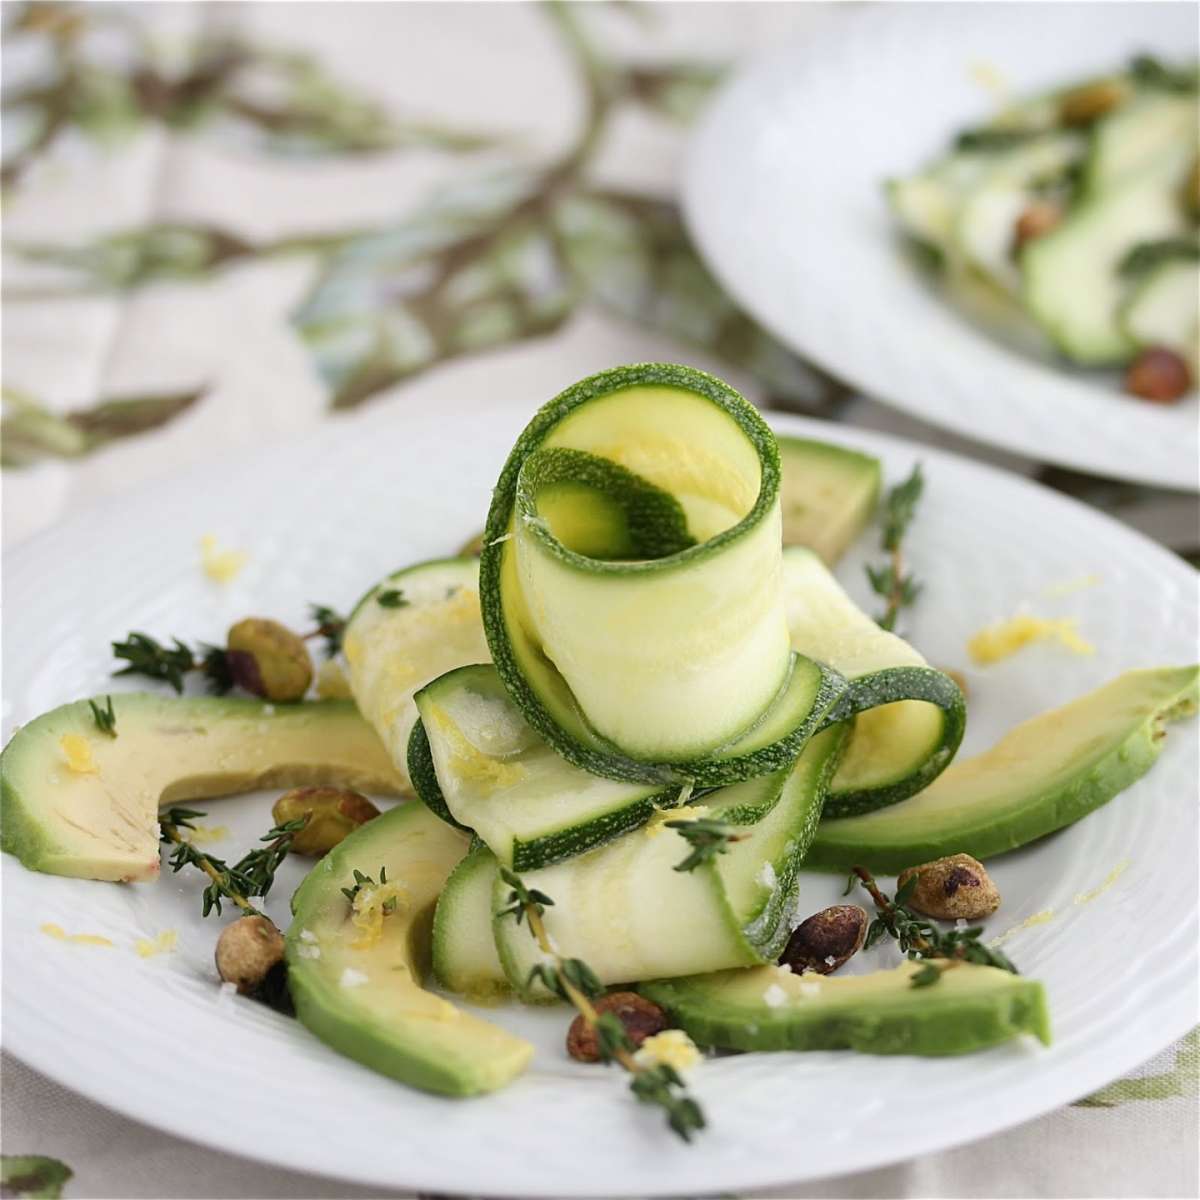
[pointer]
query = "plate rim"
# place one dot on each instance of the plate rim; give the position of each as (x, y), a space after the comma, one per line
(1093, 1072)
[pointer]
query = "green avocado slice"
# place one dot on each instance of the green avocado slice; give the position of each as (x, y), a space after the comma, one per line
(828, 493)
(768, 1008)
(1045, 774)
(362, 994)
(98, 818)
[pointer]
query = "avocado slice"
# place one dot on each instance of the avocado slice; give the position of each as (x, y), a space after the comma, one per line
(769, 1008)
(363, 995)
(75, 801)
(828, 494)
(1043, 775)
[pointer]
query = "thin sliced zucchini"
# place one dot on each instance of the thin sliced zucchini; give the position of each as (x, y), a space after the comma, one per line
(985, 224)
(828, 494)
(629, 914)
(1164, 310)
(1135, 134)
(636, 655)
(1045, 774)
(910, 717)
(410, 628)
(493, 773)
(464, 950)
(1072, 287)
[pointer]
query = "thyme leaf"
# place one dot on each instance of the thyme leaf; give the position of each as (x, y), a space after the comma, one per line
(331, 625)
(105, 718)
(707, 838)
(252, 875)
(889, 580)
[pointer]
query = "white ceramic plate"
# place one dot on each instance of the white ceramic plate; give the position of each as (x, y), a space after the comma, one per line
(783, 192)
(325, 518)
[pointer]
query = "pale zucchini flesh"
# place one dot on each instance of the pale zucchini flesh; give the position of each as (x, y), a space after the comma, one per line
(910, 717)
(464, 951)
(662, 669)
(413, 626)
(629, 914)
(496, 775)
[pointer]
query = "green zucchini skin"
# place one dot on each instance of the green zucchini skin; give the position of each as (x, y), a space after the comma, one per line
(882, 669)
(886, 687)
(424, 777)
(734, 910)
(1084, 754)
(880, 1013)
(748, 755)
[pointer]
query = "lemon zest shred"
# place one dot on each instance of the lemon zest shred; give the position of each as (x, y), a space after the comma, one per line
(1004, 638)
(368, 910)
(50, 929)
(1070, 586)
(219, 565)
(77, 750)
(1111, 878)
(672, 1048)
(489, 773)
(164, 943)
(1038, 918)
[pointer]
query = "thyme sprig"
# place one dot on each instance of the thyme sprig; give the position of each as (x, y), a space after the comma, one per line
(252, 875)
(574, 981)
(331, 625)
(707, 838)
(391, 598)
(890, 580)
(919, 938)
(147, 656)
(105, 718)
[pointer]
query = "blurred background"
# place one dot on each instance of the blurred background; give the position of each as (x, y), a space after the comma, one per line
(225, 224)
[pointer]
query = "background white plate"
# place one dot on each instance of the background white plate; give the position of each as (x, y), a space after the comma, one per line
(783, 191)
(324, 518)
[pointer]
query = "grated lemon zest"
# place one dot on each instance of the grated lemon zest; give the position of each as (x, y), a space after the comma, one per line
(1070, 586)
(489, 773)
(164, 943)
(368, 914)
(77, 750)
(219, 565)
(1111, 878)
(78, 939)
(1038, 918)
(672, 1048)
(1005, 638)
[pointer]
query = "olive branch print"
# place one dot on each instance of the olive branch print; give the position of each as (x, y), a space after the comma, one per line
(502, 255)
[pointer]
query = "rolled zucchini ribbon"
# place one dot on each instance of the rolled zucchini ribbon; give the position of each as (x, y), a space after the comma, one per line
(631, 583)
